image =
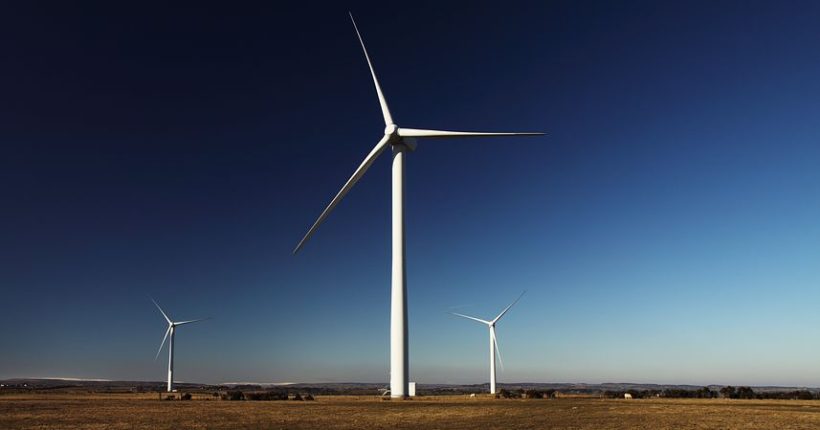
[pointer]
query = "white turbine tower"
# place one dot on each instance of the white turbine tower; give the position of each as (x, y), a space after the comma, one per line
(493, 340)
(401, 141)
(171, 330)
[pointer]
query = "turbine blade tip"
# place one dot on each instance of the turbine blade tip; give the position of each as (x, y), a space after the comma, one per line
(299, 247)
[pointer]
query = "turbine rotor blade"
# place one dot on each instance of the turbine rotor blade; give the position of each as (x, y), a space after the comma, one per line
(371, 157)
(497, 349)
(469, 317)
(419, 132)
(160, 309)
(508, 307)
(191, 321)
(388, 119)
(168, 330)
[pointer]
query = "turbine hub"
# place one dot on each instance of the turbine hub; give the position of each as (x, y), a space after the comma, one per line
(391, 129)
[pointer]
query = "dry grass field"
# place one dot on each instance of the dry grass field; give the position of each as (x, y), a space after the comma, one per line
(126, 411)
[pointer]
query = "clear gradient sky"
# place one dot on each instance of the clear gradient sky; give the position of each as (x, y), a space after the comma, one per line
(667, 229)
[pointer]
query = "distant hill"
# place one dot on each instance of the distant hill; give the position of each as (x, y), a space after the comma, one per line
(90, 384)
(353, 387)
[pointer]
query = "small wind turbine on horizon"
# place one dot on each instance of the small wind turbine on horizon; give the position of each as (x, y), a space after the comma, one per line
(171, 330)
(401, 141)
(493, 339)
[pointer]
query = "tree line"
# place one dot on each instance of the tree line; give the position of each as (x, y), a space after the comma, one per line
(727, 392)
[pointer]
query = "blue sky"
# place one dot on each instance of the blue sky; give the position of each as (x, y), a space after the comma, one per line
(665, 228)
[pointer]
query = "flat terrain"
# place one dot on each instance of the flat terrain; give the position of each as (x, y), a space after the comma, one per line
(128, 411)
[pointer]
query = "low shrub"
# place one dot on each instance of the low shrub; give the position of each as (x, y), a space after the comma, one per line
(266, 395)
(233, 395)
(504, 394)
(532, 394)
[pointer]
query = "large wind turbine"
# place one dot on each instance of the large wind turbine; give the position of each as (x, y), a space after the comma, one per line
(172, 326)
(401, 141)
(493, 340)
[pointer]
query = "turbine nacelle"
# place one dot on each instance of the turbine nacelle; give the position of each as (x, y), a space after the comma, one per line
(410, 143)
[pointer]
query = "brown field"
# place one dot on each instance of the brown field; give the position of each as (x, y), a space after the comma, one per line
(132, 411)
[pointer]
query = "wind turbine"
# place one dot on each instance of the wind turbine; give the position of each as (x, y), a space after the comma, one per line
(493, 340)
(172, 326)
(401, 141)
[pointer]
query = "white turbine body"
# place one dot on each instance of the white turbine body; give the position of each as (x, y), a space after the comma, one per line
(493, 340)
(401, 141)
(169, 334)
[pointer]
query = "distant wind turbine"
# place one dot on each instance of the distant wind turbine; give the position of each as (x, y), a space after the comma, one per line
(400, 141)
(493, 339)
(171, 330)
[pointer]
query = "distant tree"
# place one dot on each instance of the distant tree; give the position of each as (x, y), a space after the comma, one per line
(704, 393)
(233, 395)
(309, 397)
(728, 392)
(297, 397)
(745, 393)
(532, 394)
(253, 396)
(186, 396)
(266, 395)
(503, 394)
(278, 395)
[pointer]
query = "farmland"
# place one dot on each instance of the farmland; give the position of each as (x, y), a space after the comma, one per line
(146, 411)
